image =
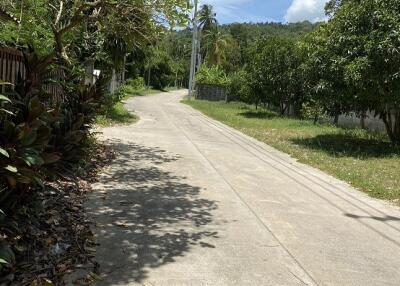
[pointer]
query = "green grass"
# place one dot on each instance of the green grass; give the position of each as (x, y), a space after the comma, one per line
(365, 160)
(116, 115)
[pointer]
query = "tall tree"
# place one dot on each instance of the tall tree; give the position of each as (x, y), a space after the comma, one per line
(128, 21)
(207, 18)
(323, 72)
(276, 65)
(216, 44)
(363, 37)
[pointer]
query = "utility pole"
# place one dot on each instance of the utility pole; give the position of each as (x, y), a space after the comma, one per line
(192, 79)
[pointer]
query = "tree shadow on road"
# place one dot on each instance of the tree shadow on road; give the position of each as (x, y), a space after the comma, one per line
(146, 217)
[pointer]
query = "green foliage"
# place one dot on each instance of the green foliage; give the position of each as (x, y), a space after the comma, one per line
(115, 114)
(38, 139)
(312, 110)
(207, 18)
(43, 136)
(217, 46)
(34, 28)
(72, 29)
(161, 74)
(353, 61)
(7, 256)
(246, 34)
(213, 75)
(25, 137)
(158, 67)
(113, 111)
(224, 45)
(275, 67)
(239, 88)
(135, 83)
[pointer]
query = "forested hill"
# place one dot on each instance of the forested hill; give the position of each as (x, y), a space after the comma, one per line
(169, 60)
(257, 30)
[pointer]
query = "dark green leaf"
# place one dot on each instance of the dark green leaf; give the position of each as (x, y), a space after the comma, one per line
(4, 98)
(4, 153)
(50, 158)
(12, 169)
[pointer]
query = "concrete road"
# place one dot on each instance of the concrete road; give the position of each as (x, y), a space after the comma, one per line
(189, 201)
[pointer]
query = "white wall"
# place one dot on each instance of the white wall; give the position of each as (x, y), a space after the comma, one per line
(370, 122)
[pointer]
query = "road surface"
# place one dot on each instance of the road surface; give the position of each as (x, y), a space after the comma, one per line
(189, 201)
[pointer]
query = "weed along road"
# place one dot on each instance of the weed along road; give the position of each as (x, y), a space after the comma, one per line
(190, 201)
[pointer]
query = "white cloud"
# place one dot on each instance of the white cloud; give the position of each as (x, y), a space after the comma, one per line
(232, 10)
(301, 10)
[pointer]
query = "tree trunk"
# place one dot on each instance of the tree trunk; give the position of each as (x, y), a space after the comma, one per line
(283, 108)
(148, 78)
(59, 48)
(316, 118)
(124, 71)
(336, 120)
(391, 119)
(362, 120)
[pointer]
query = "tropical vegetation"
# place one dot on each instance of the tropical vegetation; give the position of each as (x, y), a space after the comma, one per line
(349, 64)
(47, 136)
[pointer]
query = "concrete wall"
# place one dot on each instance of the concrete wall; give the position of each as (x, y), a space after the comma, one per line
(210, 92)
(370, 122)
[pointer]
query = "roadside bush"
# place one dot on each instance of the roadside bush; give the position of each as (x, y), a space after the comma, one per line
(239, 88)
(40, 140)
(111, 103)
(136, 83)
(129, 88)
(112, 110)
(313, 111)
(212, 76)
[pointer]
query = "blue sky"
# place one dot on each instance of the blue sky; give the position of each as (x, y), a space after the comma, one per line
(229, 11)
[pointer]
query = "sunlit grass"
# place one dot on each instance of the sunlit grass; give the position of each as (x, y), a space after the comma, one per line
(116, 114)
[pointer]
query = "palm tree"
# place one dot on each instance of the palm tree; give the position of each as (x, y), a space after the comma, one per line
(216, 44)
(207, 18)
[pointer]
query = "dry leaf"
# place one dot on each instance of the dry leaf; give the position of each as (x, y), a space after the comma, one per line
(42, 282)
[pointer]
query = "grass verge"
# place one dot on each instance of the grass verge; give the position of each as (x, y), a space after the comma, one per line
(114, 115)
(366, 161)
